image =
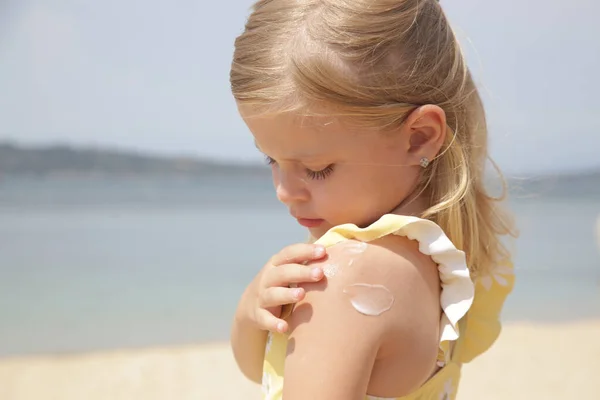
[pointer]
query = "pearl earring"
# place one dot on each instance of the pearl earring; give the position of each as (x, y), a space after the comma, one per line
(424, 162)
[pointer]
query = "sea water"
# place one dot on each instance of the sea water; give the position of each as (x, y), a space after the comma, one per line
(101, 264)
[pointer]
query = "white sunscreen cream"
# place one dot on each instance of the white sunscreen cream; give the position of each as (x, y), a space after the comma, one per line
(369, 299)
(329, 270)
(351, 250)
(354, 247)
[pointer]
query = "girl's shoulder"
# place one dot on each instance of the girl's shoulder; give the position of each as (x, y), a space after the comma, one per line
(414, 247)
(407, 251)
(379, 299)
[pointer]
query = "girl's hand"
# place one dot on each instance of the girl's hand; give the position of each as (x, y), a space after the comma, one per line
(272, 286)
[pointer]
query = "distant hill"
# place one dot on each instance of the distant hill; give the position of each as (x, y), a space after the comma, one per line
(63, 160)
(581, 184)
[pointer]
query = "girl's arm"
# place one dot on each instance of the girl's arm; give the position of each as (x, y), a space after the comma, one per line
(247, 338)
(333, 348)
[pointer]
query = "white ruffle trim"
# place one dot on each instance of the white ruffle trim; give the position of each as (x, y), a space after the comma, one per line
(458, 289)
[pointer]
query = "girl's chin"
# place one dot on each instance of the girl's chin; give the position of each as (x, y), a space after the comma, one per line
(319, 231)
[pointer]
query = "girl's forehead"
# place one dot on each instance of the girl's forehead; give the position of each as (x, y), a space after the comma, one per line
(293, 122)
(311, 133)
(302, 137)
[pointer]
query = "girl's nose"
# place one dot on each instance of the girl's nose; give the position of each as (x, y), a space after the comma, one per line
(290, 188)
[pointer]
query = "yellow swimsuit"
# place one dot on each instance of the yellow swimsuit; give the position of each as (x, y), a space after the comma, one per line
(471, 308)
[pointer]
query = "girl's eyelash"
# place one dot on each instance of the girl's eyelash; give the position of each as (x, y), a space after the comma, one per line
(269, 160)
(322, 174)
(316, 175)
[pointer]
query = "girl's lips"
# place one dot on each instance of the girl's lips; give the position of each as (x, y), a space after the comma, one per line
(309, 223)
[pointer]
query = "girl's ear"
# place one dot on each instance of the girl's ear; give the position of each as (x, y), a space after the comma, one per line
(425, 131)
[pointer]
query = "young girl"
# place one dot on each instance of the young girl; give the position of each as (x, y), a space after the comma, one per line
(377, 140)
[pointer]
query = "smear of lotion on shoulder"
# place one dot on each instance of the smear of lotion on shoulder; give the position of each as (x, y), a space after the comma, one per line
(329, 270)
(372, 300)
(352, 249)
(355, 247)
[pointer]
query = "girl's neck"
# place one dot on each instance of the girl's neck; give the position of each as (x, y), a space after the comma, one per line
(412, 206)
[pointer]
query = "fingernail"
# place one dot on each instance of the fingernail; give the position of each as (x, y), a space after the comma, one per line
(280, 326)
(298, 293)
(319, 251)
(316, 273)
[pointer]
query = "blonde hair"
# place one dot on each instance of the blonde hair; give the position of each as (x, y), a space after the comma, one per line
(374, 62)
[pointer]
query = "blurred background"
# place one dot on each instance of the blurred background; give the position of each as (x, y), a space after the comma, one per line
(123, 165)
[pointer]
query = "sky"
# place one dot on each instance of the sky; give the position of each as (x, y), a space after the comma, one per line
(154, 76)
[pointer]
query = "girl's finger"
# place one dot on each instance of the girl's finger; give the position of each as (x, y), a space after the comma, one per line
(279, 296)
(298, 253)
(287, 274)
(268, 322)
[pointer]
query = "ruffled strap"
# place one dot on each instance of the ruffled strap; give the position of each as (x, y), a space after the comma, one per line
(457, 287)
(482, 325)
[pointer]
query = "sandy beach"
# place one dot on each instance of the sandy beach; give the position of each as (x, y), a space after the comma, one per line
(529, 361)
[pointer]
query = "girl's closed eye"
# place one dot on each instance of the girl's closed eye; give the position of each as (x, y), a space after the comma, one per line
(269, 160)
(321, 174)
(312, 174)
